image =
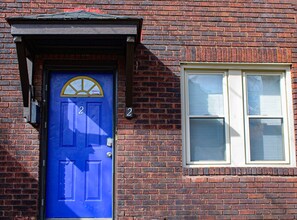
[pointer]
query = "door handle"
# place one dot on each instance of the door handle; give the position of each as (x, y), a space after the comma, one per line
(109, 154)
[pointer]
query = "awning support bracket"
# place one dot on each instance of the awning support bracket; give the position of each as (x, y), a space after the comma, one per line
(23, 69)
(130, 48)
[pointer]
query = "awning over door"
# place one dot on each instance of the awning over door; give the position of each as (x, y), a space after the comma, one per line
(73, 32)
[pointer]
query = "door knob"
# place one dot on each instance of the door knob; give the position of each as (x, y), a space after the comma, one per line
(109, 154)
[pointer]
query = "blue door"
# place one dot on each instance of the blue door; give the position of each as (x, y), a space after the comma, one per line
(79, 159)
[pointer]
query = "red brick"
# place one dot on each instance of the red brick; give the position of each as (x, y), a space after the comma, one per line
(149, 148)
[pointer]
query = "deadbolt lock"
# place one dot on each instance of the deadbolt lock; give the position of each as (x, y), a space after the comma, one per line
(109, 142)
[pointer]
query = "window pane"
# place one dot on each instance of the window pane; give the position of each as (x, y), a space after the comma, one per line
(264, 95)
(207, 139)
(266, 139)
(77, 84)
(69, 91)
(88, 84)
(206, 94)
(95, 91)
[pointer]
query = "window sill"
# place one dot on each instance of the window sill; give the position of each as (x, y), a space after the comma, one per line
(240, 171)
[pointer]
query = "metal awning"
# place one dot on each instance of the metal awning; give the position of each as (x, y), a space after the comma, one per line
(73, 32)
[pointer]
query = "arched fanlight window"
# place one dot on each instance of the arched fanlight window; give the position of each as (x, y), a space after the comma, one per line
(82, 86)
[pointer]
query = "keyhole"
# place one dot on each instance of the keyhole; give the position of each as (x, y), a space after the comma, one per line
(81, 110)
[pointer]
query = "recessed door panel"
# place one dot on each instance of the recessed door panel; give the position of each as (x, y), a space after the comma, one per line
(67, 131)
(93, 180)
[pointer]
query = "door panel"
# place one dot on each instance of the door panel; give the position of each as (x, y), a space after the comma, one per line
(79, 174)
(67, 132)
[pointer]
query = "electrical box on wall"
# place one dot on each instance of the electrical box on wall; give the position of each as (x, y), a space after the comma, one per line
(35, 113)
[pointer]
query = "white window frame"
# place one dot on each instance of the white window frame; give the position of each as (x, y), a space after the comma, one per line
(225, 116)
(237, 152)
(282, 116)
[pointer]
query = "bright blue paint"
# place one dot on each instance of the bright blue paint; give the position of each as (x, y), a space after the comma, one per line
(79, 174)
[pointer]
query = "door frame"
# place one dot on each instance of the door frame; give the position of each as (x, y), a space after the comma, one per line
(70, 65)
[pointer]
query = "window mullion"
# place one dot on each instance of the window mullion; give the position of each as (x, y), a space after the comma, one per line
(236, 117)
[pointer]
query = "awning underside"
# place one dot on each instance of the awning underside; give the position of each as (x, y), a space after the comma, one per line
(76, 33)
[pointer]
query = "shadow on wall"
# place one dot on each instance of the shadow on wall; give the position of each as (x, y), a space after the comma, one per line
(18, 186)
(156, 91)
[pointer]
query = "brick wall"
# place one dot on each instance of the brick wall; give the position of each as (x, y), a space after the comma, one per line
(150, 180)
